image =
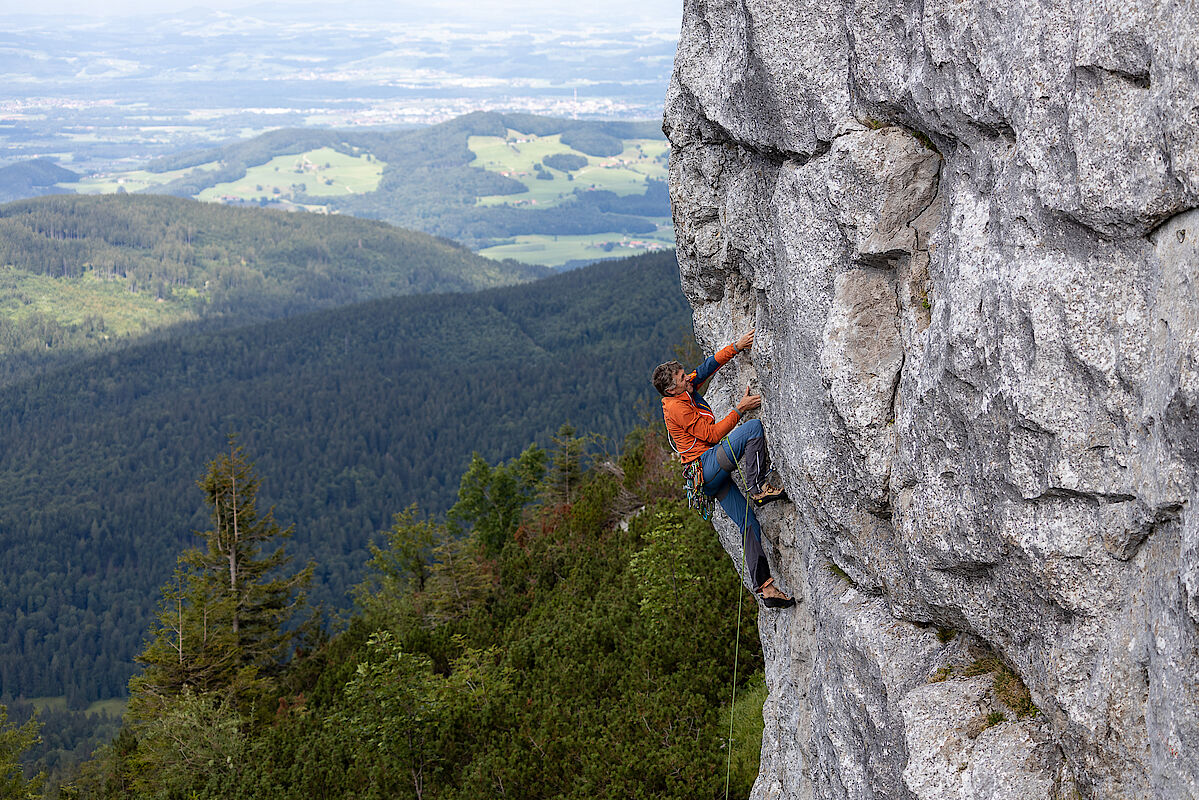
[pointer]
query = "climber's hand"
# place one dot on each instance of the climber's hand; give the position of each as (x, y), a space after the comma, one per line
(748, 402)
(746, 341)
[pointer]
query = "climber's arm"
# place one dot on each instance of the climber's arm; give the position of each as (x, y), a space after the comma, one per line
(722, 357)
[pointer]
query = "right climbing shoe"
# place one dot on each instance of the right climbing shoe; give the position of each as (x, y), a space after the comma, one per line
(768, 493)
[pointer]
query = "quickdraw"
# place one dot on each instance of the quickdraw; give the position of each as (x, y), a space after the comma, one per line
(697, 498)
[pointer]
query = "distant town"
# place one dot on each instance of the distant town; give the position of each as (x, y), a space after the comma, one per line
(105, 95)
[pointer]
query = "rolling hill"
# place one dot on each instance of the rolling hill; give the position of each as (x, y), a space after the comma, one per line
(34, 177)
(81, 275)
(540, 189)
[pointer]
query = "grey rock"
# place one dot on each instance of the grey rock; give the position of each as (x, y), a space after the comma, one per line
(966, 233)
(752, 63)
(956, 751)
(861, 358)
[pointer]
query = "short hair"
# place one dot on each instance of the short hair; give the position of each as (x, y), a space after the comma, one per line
(664, 376)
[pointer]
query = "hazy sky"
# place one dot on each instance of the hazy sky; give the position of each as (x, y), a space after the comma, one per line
(514, 10)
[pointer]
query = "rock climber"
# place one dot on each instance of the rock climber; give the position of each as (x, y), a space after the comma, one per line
(713, 451)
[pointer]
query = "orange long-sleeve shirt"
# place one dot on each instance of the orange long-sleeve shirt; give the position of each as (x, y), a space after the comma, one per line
(690, 421)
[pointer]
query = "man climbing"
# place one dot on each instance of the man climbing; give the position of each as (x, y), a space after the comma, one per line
(719, 449)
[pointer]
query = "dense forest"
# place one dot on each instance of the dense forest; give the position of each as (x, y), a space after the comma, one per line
(563, 632)
(430, 185)
(201, 262)
(233, 257)
(353, 413)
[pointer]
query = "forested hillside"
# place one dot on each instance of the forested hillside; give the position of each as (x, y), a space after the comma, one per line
(565, 633)
(351, 415)
(84, 274)
(433, 169)
(34, 177)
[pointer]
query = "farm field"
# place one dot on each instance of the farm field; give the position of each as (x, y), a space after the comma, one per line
(518, 154)
(132, 181)
(460, 180)
(323, 172)
(554, 251)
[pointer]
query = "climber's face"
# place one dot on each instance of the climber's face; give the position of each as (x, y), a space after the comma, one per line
(681, 384)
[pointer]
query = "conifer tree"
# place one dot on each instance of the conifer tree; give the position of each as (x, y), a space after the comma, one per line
(404, 562)
(433, 569)
(239, 570)
(567, 465)
(226, 620)
(224, 632)
(491, 500)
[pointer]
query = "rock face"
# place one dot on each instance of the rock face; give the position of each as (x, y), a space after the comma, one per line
(966, 233)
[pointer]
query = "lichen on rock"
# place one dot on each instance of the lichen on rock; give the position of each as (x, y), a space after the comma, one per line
(967, 234)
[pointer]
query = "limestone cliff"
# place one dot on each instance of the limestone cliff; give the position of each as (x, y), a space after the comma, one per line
(966, 232)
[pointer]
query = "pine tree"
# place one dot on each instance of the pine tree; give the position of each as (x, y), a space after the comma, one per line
(238, 570)
(400, 568)
(567, 465)
(225, 629)
(491, 500)
(190, 647)
(432, 569)
(226, 622)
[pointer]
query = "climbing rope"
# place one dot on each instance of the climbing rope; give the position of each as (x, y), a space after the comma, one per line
(698, 499)
(728, 763)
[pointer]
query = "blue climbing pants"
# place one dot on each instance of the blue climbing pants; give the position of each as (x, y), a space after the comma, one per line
(745, 446)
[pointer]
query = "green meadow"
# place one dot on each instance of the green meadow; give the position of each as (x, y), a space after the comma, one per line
(538, 225)
(323, 172)
(554, 251)
(113, 708)
(517, 155)
(132, 181)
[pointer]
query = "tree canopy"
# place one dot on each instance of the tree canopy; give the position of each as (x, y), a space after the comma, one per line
(590, 656)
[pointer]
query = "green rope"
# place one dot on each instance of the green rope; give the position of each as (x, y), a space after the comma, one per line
(728, 764)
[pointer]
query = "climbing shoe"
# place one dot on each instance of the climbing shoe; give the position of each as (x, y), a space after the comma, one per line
(778, 599)
(768, 494)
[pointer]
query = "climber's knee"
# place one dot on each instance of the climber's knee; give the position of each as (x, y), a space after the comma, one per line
(723, 459)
